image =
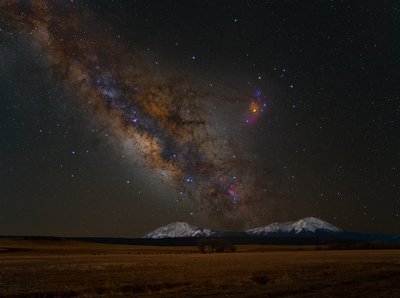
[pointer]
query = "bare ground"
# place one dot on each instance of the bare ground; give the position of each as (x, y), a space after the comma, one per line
(68, 269)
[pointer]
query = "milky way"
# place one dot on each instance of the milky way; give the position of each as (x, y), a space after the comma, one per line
(161, 119)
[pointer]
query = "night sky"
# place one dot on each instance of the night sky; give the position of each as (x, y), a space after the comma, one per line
(118, 117)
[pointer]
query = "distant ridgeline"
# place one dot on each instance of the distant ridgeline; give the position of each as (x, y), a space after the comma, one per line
(309, 230)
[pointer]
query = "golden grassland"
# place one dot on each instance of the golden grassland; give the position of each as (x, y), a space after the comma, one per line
(33, 268)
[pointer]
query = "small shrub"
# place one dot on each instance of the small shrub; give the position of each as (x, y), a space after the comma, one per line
(260, 278)
(215, 245)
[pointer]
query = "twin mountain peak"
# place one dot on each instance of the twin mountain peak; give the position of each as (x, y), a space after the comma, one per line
(307, 225)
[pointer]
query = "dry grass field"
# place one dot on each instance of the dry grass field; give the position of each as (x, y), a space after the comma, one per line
(68, 269)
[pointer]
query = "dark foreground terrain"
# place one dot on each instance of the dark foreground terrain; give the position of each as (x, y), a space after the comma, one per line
(32, 268)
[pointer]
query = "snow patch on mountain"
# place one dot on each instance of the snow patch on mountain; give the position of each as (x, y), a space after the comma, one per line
(313, 224)
(276, 227)
(179, 229)
(304, 225)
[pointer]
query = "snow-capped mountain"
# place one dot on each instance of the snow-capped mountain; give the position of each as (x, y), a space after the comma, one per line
(180, 229)
(313, 224)
(305, 225)
(276, 227)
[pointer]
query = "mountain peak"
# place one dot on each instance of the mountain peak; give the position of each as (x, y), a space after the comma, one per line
(307, 225)
(179, 229)
(304, 225)
(313, 224)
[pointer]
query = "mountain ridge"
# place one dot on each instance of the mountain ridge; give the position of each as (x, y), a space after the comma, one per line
(180, 229)
(307, 225)
(304, 225)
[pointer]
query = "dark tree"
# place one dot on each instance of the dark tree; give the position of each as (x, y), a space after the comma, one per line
(215, 245)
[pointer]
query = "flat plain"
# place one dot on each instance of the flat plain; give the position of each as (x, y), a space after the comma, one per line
(42, 268)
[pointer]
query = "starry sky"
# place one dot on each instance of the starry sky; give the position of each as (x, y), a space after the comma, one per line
(118, 117)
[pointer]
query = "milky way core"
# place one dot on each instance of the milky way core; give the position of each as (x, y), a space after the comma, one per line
(161, 120)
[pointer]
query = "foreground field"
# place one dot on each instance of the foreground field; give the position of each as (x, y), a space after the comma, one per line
(63, 268)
